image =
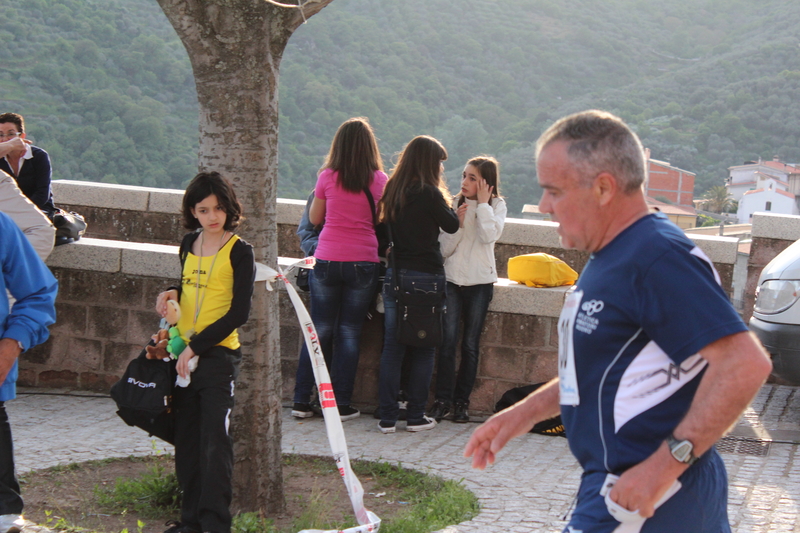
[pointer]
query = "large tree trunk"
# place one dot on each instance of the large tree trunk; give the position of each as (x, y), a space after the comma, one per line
(235, 47)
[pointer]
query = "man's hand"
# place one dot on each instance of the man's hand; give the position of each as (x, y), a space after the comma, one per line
(641, 486)
(16, 144)
(494, 434)
(9, 352)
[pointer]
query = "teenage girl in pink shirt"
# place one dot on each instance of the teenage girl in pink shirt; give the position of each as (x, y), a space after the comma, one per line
(344, 280)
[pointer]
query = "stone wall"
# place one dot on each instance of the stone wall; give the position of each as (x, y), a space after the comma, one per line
(109, 281)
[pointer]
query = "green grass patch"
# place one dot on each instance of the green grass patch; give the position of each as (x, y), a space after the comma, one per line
(151, 495)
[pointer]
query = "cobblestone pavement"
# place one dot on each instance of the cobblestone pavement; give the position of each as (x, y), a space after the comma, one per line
(530, 489)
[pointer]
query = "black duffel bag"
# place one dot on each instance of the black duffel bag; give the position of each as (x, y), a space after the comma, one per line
(552, 426)
(419, 318)
(144, 396)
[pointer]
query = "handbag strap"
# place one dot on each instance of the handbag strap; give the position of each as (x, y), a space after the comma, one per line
(372, 206)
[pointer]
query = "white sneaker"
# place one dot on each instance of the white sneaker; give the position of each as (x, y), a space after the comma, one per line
(11, 523)
(426, 423)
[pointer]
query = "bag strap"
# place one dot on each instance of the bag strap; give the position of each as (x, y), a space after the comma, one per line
(395, 272)
(372, 206)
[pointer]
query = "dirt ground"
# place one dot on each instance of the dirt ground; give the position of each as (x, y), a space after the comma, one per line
(64, 497)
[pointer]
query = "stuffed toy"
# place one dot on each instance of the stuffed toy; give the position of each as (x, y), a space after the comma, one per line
(168, 341)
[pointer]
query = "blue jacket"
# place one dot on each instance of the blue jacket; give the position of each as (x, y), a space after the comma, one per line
(33, 287)
(308, 232)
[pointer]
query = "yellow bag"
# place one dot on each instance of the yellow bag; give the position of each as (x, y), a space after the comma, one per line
(540, 270)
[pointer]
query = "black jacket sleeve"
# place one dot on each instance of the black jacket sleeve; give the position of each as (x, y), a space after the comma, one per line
(244, 276)
(443, 214)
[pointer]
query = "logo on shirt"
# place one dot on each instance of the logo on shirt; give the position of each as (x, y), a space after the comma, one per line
(585, 322)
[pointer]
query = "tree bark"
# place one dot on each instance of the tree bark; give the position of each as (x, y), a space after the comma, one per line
(235, 48)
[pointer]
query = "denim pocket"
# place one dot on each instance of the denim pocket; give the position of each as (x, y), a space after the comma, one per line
(365, 274)
(321, 269)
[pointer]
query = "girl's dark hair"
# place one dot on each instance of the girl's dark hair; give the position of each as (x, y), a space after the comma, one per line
(489, 169)
(354, 155)
(419, 165)
(201, 187)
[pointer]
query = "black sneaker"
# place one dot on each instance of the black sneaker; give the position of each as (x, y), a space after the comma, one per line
(421, 425)
(299, 410)
(386, 427)
(460, 415)
(439, 410)
(348, 413)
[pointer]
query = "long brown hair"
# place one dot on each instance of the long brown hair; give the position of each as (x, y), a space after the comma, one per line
(419, 164)
(354, 155)
(489, 169)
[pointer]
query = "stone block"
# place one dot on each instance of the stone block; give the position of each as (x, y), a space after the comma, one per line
(141, 326)
(80, 354)
(56, 379)
(288, 241)
(160, 228)
(290, 211)
(366, 387)
(101, 194)
(100, 288)
(96, 382)
(718, 249)
(39, 355)
(775, 226)
(117, 355)
(541, 365)
(89, 253)
(70, 319)
(288, 372)
(763, 250)
(150, 260)
(492, 329)
(523, 331)
(485, 394)
(27, 377)
(108, 323)
(502, 362)
(168, 201)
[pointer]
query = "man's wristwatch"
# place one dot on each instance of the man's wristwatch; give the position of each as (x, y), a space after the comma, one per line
(681, 450)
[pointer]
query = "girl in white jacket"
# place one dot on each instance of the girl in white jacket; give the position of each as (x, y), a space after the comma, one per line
(470, 269)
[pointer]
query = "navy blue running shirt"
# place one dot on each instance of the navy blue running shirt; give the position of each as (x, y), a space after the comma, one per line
(629, 337)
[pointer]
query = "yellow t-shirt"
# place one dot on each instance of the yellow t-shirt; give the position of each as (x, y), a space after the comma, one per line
(211, 293)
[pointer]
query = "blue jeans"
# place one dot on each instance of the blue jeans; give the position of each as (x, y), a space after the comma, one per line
(341, 292)
(421, 359)
(472, 303)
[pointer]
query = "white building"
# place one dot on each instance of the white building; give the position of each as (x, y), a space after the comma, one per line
(770, 195)
(743, 178)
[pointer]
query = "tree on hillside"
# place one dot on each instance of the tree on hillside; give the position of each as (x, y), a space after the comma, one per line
(718, 199)
(235, 48)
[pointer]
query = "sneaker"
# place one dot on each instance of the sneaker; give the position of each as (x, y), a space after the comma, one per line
(421, 425)
(299, 410)
(386, 427)
(11, 523)
(460, 415)
(348, 413)
(439, 410)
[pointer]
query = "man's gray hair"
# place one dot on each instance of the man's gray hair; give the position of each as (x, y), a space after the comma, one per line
(599, 142)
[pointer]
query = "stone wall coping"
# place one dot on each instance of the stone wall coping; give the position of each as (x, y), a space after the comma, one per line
(776, 226)
(537, 233)
(158, 260)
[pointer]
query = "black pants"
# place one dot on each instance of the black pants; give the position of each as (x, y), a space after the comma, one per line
(203, 446)
(10, 499)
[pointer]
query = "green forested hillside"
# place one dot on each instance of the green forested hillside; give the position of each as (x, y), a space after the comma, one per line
(107, 87)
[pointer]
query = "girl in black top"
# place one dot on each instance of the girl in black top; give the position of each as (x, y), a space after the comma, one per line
(415, 204)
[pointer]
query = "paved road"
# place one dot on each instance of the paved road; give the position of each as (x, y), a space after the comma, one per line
(530, 489)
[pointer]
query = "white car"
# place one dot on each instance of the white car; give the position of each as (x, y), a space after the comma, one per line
(776, 315)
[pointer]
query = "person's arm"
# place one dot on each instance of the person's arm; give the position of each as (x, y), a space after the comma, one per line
(33, 287)
(316, 214)
(33, 223)
(308, 232)
(444, 216)
(491, 220)
(494, 434)
(16, 144)
(737, 368)
(41, 177)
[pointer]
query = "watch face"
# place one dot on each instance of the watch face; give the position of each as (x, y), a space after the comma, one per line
(682, 451)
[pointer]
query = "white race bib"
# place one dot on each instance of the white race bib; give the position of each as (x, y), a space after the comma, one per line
(567, 378)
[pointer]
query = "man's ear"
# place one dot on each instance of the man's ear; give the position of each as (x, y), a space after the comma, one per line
(605, 187)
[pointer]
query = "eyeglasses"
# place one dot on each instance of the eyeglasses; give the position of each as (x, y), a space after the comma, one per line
(9, 135)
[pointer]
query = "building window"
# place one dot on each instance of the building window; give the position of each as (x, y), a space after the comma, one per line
(769, 206)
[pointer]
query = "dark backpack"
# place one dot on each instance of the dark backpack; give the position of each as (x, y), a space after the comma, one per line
(144, 396)
(551, 426)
